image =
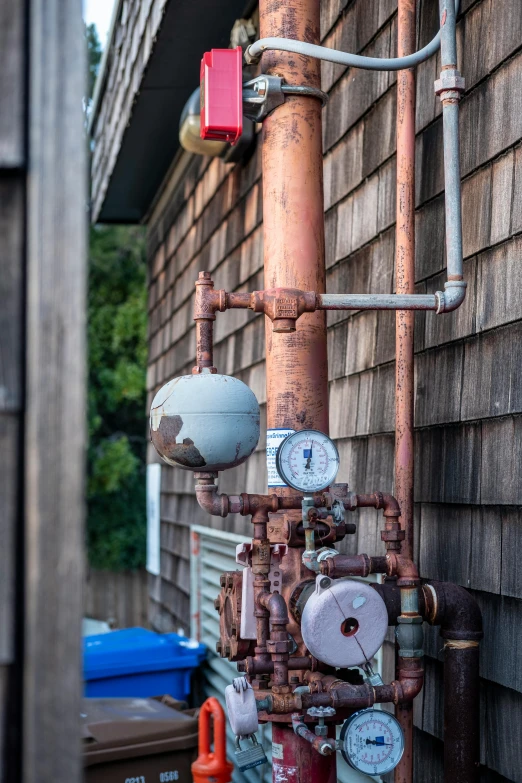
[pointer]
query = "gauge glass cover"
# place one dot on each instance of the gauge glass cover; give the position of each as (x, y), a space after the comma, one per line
(372, 742)
(307, 461)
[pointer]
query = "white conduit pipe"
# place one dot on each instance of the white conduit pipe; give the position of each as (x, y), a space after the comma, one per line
(255, 50)
(449, 87)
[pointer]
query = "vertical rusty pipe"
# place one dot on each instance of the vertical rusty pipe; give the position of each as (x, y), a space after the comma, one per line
(461, 712)
(293, 223)
(294, 257)
(405, 284)
(405, 274)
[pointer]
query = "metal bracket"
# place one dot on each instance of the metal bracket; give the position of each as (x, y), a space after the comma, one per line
(265, 93)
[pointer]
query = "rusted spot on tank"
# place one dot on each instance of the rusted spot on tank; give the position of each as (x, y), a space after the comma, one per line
(186, 454)
(164, 440)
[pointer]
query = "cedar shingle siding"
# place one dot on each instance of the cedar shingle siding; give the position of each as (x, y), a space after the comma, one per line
(468, 487)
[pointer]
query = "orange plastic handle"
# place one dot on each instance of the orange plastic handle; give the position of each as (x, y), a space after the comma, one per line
(214, 708)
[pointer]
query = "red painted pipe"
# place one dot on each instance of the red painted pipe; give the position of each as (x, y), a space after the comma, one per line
(294, 760)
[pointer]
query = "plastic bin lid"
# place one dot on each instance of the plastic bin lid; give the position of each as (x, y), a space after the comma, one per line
(115, 729)
(136, 650)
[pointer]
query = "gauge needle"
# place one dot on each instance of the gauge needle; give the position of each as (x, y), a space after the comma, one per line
(374, 742)
(309, 460)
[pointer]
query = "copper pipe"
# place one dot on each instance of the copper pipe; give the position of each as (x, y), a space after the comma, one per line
(293, 226)
(405, 319)
(405, 273)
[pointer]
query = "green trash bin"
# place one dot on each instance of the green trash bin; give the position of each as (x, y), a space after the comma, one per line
(138, 740)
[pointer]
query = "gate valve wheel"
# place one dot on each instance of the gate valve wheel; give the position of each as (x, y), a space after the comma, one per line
(321, 712)
(321, 730)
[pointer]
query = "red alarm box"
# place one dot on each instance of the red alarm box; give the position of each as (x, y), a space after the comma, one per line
(221, 116)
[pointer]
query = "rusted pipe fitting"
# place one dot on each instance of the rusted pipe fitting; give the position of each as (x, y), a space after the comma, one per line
(353, 565)
(377, 500)
(252, 666)
(403, 568)
(284, 306)
(221, 505)
(411, 679)
(454, 609)
(276, 605)
(210, 501)
(393, 534)
(208, 301)
(323, 745)
(343, 695)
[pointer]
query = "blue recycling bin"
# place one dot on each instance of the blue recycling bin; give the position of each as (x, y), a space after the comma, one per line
(136, 662)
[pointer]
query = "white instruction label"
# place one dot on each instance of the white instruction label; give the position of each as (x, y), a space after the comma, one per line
(273, 439)
(277, 751)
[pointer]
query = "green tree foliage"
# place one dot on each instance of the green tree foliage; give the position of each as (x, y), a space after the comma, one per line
(117, 360)
(116, 527)
(94, 54)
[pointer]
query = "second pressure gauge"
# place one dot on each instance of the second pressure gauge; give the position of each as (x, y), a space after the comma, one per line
(372, 742)
(307, 461)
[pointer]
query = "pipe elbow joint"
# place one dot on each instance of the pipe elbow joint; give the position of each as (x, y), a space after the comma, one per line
(453, 296)
(210, 501)
(276, 606)
(455, 610)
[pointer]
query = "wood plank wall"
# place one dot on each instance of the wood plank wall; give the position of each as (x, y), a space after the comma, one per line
(134, 36)
(468, 487)
(119, 598)
(42, 412)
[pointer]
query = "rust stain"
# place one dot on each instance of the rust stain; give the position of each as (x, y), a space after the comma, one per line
(164, 440)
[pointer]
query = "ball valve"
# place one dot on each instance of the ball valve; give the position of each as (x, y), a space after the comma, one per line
(205, 422)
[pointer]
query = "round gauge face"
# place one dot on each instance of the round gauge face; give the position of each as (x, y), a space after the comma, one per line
(308, 461)
(372, 742)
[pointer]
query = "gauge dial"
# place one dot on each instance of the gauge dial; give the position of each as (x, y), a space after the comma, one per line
(308, 461)
(372, 742)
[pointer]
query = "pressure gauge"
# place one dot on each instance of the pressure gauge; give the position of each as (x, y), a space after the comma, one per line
(307, 461)
(372, 742)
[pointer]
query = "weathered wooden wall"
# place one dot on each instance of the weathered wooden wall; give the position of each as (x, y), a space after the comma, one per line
(119, 598)
(468, 487)
(42, 357)
(133, 38)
